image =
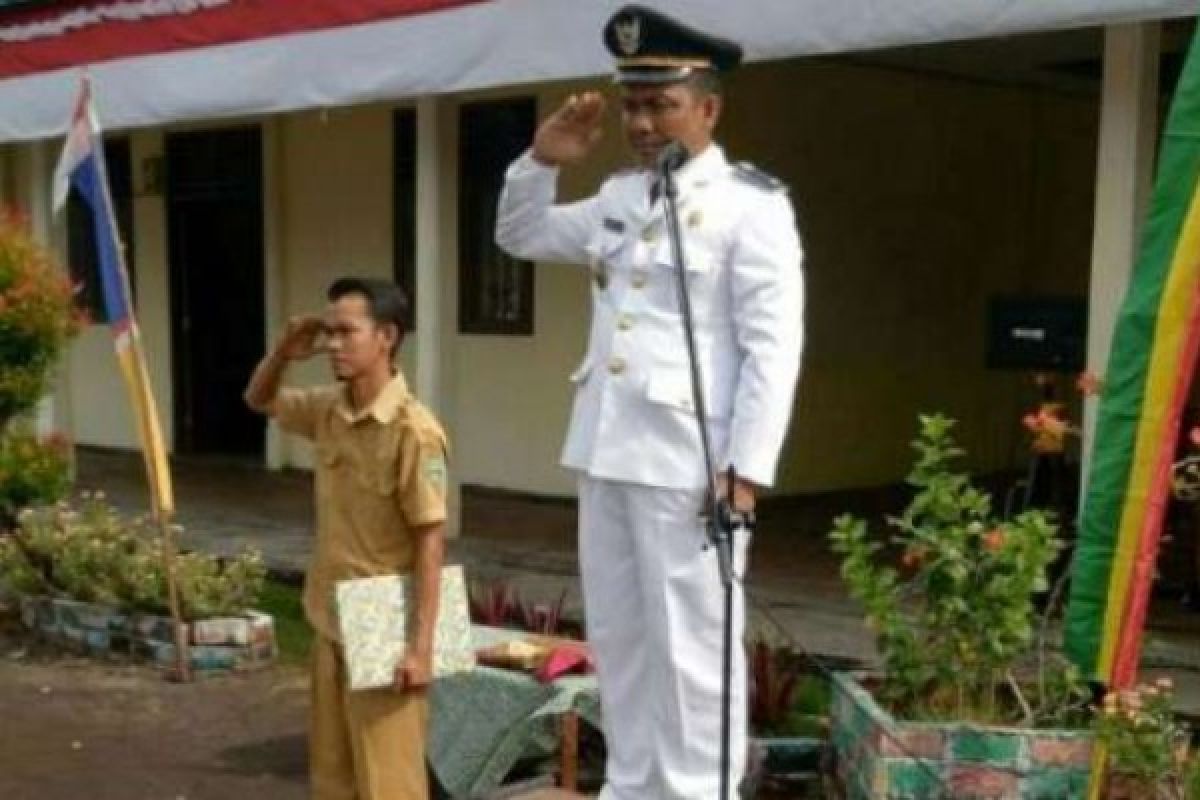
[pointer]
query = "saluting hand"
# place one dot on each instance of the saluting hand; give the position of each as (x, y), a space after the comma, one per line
(300, 338)
(570, 133)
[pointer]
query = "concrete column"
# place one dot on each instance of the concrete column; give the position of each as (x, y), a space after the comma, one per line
(436, 280)
(274, 262)
(1124, 176)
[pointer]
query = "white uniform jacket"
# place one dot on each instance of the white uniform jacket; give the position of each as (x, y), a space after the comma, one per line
(633, 417)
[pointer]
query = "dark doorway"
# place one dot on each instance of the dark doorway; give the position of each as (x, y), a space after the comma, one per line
(215, 251)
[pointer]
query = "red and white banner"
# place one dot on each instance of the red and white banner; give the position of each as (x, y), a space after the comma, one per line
(186, 60)
(82, 32)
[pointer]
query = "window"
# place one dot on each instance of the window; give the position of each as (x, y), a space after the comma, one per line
(495, 290)
(404, 208)
(82, 263)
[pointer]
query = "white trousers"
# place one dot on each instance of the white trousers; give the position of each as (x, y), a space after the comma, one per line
(655, 611)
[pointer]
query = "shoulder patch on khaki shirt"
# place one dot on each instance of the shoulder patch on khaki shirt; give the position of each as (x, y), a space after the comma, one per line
(434, 469)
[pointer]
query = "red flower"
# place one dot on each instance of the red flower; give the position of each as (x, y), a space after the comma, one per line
(1089, 384)
(913, 557)
(993, 540)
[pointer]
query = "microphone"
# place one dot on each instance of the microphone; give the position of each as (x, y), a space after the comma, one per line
(672, 157)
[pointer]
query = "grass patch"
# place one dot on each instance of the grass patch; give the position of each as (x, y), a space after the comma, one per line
(292, 632)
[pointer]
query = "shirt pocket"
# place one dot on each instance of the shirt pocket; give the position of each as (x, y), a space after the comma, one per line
(672, 387)
(664, 278)
(366, 469)
(378, 472)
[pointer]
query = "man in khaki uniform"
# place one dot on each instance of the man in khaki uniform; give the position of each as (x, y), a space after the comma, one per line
(380, 477)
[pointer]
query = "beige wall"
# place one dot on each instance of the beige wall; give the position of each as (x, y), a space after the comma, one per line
(336, 192)
(919, 196)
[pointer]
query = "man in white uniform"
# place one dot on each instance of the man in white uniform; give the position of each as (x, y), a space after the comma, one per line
(651, 584)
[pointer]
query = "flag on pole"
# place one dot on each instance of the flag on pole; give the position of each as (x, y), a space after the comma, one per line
(1150, 368)
(81, 167)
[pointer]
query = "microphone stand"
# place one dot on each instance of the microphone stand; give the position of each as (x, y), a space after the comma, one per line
(722, 519)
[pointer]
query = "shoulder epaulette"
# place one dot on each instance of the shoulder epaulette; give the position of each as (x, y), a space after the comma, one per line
(746, 172)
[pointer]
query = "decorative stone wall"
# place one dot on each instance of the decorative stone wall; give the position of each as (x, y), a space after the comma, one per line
(238, 643)
(878, 756)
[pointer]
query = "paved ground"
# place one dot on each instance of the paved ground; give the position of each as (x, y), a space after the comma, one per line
(74, 728)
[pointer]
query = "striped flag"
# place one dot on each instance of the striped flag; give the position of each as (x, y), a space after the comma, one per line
(1150, 369)
(81, 167)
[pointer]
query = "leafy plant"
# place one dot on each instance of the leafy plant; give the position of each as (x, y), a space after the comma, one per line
(538, 617)
(1145, 744)
(93, 554)
(954, 624)
(37, 316)
(784, 699)
(34, 471)
(500, 605)
(491, 604)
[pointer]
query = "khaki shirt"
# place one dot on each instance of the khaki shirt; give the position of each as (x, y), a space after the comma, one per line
(380, 472)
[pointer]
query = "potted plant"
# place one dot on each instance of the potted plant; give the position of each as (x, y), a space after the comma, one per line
(958, 708)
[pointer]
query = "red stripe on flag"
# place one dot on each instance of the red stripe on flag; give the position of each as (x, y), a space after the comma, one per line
(155, 32)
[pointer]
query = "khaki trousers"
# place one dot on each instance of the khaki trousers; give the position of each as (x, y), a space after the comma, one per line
(367, 744)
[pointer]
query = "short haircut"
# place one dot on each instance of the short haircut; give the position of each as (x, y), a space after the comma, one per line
(386, 302)
(705, 81)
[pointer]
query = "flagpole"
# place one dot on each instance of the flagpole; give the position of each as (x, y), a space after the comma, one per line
(162, 500)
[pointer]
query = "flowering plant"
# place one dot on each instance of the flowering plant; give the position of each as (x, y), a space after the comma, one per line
(953, 623)
(1049, 423)
(1145, 744)
(37, 316)
(500, 605)
(95, 555)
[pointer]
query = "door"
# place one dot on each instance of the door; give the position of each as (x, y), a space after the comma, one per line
(215, 251)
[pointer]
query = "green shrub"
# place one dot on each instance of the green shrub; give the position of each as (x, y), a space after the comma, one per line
(95, 555)
(953, 622)
(37, 316)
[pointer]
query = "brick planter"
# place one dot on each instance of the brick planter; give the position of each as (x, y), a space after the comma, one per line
(878, 756)
(238, 643)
